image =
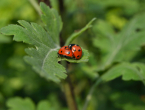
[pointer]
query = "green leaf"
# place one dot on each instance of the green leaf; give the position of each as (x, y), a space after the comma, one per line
(51, 104)
(135, 71)
(119, 45)
(18, 103)
(129, 7)
(76, 34)
(105, 36)
(52, 20)
(43, 57)
(44, 105)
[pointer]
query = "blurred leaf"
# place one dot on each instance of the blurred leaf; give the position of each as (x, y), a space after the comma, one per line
(133, 107)
(129, 6)
(105, 36)
(16, 62)
(1, 98)
(43, 58)
(135, 71)
(115, 18)
(90, 71)
(44, 105)
(4, 39)
(15, 9)
(16, 83)
(18, 103)
(129, 39)
(54, 100)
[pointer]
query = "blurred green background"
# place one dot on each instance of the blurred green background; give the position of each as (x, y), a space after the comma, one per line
(18, 79)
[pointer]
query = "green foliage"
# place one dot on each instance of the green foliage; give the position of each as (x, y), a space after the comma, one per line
(121, 47)
(15, 9)
(85, 54)
(4, 39)
(129, 6)
(43, 105)
(76, 34)
(46, 43)
(115, 47)
(127, 101)
(53, 23)
(118, 23)
(134, 71)
(18, 103)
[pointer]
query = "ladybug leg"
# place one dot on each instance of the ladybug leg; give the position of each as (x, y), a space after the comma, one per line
(74, 57)
(59, 62)
(57, 55)
(65, 56)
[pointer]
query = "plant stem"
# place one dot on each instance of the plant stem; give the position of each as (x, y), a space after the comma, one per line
(61, 7)
(76, 34)
(36, 6)
(47, 2)
(69, 93)
(89, 96)
(67, 85)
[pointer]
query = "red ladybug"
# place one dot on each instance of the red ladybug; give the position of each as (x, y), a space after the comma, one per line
(76, 50)
(65, 51)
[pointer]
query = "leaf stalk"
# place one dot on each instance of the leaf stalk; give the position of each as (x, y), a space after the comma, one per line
(89, 96)
(76, 34)
(69, 91)
(36, 6)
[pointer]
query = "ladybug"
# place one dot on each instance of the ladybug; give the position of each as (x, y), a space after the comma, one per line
(66, 52)
(76, 50)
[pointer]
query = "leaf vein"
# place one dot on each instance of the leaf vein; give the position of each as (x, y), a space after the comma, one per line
(47, 56)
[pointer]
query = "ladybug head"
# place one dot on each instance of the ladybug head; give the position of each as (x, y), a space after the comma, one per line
(70, 45)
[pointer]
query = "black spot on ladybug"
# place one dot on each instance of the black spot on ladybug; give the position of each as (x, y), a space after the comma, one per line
(79, 50)
(68, 52)
(78, 56)
(61, 51)
(74, 50)
(66, 48)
